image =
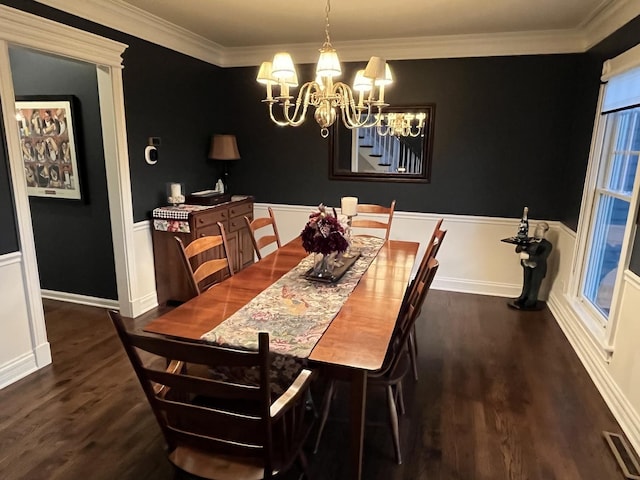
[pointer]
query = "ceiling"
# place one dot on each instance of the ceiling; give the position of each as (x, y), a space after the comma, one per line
(237, 23)
(240, 32)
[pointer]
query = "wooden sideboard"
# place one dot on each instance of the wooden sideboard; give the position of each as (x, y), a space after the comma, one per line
(197, 221)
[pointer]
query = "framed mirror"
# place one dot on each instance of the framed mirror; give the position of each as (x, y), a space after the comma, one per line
(398, 151)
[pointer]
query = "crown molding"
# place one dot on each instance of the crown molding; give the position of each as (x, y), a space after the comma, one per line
(116, 14)
(603, 22)
(446, 46)
(128, 19)
(21, 28)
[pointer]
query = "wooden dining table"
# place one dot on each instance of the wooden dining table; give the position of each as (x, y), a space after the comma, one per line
(355, 342)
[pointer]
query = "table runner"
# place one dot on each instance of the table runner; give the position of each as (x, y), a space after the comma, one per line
(293, 310)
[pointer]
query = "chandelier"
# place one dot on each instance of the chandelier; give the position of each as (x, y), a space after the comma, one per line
(329, 98)
(401, 124)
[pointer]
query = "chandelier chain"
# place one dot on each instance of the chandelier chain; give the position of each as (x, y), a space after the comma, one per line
(326, 26)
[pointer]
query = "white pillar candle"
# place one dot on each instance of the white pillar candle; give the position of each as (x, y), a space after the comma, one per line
(176, 190)
(349, 206)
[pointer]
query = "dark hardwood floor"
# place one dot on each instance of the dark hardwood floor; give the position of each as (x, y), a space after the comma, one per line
(501, 395)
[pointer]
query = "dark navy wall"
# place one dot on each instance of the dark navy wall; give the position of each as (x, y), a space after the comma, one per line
(8, 232)
(182, 101)
(500, 138)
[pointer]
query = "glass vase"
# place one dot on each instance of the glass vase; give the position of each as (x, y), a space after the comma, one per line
(323, 265)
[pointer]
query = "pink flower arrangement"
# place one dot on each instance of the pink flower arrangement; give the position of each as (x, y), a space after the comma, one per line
(323, 233)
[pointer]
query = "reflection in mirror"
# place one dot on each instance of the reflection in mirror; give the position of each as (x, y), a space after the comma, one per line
(398, 150)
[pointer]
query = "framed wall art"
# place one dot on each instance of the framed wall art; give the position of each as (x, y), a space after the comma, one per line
(48, 143)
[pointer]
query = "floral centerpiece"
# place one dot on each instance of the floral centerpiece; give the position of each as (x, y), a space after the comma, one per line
(323, 234)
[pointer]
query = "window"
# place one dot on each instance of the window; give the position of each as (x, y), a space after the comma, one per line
(611, 206)
(610, 199)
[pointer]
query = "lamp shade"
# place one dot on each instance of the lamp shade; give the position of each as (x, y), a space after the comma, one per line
(362, 83)
(328, 63)
(264, 74)
(375, 69)
(282, 66)
(224, 147)
(388, 77)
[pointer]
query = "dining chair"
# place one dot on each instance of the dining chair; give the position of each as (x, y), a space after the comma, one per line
(395, 366)
(204, 260)
(433, 247)
(216, 429)
(377, 210)
(266, 239)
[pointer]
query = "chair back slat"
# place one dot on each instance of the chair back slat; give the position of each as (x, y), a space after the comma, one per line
(265, 239)
(370, 223)
(204, 260)
(206, 442)
(210, 267)
(204, 386)
(214, 423)
(200, 353)
(202, 244)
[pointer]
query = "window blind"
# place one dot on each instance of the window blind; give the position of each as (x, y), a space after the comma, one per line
(622, 75)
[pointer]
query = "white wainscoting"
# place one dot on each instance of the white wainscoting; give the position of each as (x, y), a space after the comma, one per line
(472, 257)
(145, 282)
(19, 352)
(615, 375)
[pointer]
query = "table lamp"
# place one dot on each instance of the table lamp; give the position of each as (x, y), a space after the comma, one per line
(224, 148)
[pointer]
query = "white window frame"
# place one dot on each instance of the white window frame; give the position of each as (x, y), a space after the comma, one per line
(602, 330)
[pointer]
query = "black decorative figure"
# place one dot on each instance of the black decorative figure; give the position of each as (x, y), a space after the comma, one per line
(533, 258)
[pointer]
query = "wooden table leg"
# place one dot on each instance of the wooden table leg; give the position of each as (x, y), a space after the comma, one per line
(358, 402)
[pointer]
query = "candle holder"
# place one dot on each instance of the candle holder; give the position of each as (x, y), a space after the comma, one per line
(174, 193)
(349, 208)
(350, 252)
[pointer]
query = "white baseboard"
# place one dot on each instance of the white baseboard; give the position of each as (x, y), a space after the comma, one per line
(43, 354)
(144, 304)
(18, 368)
(477, 287)
(590, 354)
(80, 299)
